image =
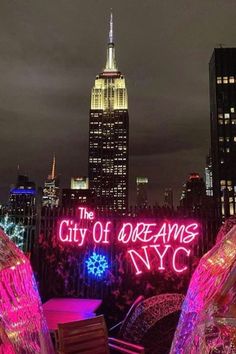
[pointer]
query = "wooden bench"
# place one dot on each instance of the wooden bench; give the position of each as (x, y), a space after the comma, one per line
(90, 337)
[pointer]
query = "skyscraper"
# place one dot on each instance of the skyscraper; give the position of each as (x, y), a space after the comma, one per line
(223, 128)
(194, 193)
(109, 135)
(22, 195)
(141, 192)
(22, 209)
(51, 188)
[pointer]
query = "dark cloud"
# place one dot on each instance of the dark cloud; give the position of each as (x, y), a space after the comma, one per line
(50, 53)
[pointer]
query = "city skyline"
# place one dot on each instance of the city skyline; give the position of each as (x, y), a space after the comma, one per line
(47, 72)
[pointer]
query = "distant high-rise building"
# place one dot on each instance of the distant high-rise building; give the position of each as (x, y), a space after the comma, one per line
(223, 128)
(22, 209)
(79, 183)
(141, 190)
(109, 135)
(22, 195)
(78, 194)
(208, 176)
(168, 198)
(51, 191)
(194, 193)
(72, 198)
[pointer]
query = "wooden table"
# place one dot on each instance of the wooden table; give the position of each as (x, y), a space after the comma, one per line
(64, 310)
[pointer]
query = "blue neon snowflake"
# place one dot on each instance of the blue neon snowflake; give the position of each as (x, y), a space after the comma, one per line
(96, 264)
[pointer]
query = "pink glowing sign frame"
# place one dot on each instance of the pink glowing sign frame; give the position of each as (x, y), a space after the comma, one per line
(166, 241)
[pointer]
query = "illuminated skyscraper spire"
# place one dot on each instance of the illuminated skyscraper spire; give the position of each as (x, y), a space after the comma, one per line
(111, 29)
(111, 61)
(53, 174)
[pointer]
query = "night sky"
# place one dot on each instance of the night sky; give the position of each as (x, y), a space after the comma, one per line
(50, 53)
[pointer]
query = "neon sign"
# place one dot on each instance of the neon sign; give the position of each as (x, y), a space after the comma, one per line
(96, 264)
(147, 245)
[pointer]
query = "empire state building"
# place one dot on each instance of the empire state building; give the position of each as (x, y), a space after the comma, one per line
(109, 136)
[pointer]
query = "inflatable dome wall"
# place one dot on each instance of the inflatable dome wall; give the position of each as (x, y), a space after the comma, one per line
(22, 325)
(208, 320)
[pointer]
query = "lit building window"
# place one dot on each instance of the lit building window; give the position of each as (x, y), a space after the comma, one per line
(227, 115)
(231, 209)
(235, 139)
(219, 80)
(227, 150)
(221, 139)
(231, 79)
(232, 110)
(227, 139)
(222, 209)
(225, 79)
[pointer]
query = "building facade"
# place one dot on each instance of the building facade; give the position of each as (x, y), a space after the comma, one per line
(109, 135)
(22, 209)
(72, 198)
(222, 70)
(79, 183)
(22, 195)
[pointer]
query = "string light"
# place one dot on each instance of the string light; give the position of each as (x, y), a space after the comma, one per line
(14, 231)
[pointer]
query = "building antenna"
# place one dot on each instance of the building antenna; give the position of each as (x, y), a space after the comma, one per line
(111, 28)
(18, 169)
